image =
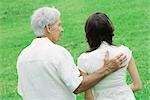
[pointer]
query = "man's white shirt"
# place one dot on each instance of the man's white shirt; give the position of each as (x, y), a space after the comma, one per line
(47, 71)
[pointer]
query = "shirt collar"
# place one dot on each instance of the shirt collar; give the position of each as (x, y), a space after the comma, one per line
(104, 44)
(43, 39)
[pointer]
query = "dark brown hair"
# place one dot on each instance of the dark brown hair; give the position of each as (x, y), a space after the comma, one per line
(98, 28)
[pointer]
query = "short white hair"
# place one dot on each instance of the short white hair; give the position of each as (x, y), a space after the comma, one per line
(42, 17)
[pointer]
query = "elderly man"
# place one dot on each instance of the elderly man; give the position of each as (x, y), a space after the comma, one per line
(46, 71)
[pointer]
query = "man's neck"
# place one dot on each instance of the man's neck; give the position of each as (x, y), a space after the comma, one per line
(45, 37)
(41, 36)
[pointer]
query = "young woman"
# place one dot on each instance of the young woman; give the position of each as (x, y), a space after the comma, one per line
(99, 34)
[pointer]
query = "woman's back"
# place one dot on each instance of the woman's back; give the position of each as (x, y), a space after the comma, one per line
(113, 86)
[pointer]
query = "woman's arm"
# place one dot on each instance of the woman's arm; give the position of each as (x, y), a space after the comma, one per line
(88, 95)
(137, 84)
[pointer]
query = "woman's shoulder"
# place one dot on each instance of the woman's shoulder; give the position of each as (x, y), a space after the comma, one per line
(125, 48)
(83, 56)
(87, 55)
(81, 62)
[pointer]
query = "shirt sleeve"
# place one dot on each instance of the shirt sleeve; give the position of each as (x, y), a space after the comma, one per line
(128, 54)
(69, 72)
(81, 63)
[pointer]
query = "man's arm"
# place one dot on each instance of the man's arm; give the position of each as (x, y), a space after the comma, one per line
(110, 65)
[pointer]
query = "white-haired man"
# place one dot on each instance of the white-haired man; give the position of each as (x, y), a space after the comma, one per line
(46, 71)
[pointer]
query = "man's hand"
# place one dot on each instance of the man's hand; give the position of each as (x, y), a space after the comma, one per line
(115, 63)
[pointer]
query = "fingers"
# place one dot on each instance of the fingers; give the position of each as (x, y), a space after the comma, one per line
(124, 59)
(115, 63)
(122, 66)
(120, 60)
(118, 56)
(122, 63)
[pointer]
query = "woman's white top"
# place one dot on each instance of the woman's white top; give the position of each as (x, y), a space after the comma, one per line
(114, 86)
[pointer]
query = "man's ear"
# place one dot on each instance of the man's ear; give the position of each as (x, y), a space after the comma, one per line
(48, 28)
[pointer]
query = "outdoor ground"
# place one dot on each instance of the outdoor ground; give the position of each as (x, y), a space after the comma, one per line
(131, 19)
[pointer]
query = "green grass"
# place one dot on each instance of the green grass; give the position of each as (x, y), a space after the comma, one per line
(131, 19)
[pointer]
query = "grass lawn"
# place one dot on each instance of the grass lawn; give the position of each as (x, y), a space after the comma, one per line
(131, 19)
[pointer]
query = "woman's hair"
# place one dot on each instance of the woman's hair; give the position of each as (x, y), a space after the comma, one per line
(98, 28)
(42, 17)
